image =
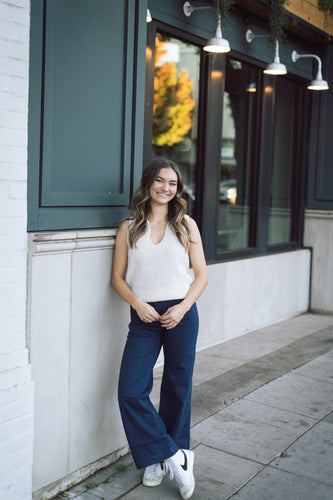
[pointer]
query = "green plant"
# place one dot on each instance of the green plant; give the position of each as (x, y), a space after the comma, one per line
(278, 20)
(122, 468)
(91, 486)
(223, 7)
(327, 7)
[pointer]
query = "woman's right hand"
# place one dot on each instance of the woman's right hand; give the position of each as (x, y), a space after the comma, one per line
(146, 312)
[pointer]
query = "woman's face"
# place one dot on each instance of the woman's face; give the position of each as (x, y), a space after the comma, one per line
(164, 187)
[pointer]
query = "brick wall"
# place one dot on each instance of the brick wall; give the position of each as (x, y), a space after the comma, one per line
(16, 388)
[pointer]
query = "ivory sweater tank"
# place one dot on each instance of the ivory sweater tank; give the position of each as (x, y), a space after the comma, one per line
(158, 272)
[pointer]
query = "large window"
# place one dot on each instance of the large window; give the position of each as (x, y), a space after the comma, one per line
(282, 199)
(235, 134)
(237, 156)
(175, 108)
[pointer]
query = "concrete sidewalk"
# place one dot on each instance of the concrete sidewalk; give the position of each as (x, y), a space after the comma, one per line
(262, 421)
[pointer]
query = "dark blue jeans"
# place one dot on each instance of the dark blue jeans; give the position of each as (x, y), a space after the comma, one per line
(154, 436)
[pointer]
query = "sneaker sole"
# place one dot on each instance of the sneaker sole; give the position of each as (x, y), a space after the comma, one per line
(152, 484)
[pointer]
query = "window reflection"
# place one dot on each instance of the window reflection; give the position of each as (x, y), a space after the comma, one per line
(282, 192)
(175, 112)
(236, 169)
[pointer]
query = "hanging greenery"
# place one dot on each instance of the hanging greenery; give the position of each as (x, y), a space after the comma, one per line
(327, 7)
(223, 7)
(278, 20)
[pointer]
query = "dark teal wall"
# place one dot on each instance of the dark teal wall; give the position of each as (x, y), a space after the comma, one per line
(320, 178)
(87, 66)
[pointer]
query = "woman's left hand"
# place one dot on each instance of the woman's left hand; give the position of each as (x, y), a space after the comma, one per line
(173, 316)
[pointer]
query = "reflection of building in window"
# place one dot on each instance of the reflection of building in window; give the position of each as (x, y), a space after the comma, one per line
(229, 135)
(173, 103)
(175, 111)
(236, 174)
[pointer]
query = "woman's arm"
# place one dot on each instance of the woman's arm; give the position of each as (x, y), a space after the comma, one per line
(174, 314)
(145, 311)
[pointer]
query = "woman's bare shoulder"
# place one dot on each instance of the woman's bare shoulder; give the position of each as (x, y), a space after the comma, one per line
(122, 229)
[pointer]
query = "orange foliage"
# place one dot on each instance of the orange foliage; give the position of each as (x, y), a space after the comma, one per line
(173, 104)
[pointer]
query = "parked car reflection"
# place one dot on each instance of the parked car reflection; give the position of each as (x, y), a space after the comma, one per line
(228, 191)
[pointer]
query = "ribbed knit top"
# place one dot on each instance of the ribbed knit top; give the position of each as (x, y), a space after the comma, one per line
(158, 272)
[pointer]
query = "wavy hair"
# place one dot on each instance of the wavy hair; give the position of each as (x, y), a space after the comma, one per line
(176, 207)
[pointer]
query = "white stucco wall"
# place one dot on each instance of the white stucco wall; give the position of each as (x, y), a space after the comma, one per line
(318, 234)
(16, 388)
(78, 327)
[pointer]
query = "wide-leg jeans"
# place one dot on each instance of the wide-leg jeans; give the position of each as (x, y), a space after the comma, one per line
(154, 436)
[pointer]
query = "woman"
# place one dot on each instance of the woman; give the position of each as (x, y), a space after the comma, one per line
(151, 273)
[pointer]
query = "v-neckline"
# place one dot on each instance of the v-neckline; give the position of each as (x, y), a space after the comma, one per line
(149, 235)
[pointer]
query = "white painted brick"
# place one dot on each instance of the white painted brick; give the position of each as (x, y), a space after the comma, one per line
(16, 393)
(16, 434)
(14, 225)
(14, 31)
(13, 359)
(19, 408)
(12, 102)
(13, 66)
(9, 307)
(14, 120)
(12, 208)
(13, 172)
(4, 190)
(14, 137)
(11, 258)
(22, 408)
(13, 242)
(18, 190)
(15, 376)
(17, 14)
(13, 154)
(14, 341)
(11, 324)
(13, 461)
(11, 48)
(13, 274)
(16, 485)
(14, 84)
(12, 292)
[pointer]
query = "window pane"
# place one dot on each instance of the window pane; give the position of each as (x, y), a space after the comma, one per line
(236, 170)
(175, 115)
(282, 193)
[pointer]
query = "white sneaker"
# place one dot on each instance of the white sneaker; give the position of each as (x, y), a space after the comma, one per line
(180, 467)
(153, 475)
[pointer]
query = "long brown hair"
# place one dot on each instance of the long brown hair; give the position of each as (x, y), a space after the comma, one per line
(176, 207)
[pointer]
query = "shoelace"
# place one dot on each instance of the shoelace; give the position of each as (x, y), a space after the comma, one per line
(174, 473)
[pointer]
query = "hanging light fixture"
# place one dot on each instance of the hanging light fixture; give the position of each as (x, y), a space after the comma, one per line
(318, 83)
(275, 67)
(251, 87)
(148, 17)
(217, 43)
